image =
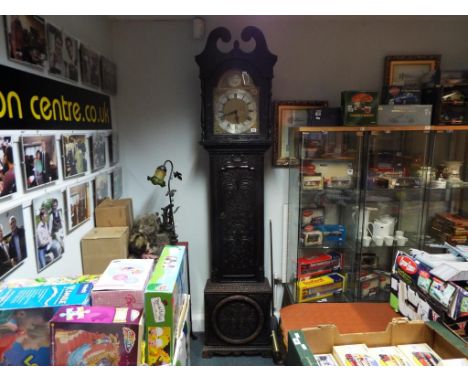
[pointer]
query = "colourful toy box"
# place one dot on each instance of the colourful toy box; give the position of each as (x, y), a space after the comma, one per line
(320, 287)
(96, 336)
(123, 283)
(164, 299)
(24, 320)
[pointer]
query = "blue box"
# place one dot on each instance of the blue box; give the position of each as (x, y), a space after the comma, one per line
(24, 320)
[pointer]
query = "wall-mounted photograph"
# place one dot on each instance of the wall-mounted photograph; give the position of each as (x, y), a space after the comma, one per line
(75, 155)
(71, 57)
(90, 67)
(101, 188)
(26, 40)
(113, 144)
(7, 167)
(12, 240)
(78, 205)
(98, 151)
(49, 229)
(116, 182)
(109, 76)
(55, 50)
(39, 160)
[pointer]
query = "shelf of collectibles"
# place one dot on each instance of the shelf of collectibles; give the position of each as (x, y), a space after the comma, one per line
(358, 195)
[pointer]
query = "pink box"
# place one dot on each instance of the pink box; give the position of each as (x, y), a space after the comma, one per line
(123, 283)
(96, 336)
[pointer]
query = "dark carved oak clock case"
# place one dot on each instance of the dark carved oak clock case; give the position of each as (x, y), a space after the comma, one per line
(236, 98)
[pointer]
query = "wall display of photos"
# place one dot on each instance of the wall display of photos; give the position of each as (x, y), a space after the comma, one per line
(71, 57)
(98, 151)
(12, 240)
(75, 154)
(49, 228)
(113, 146)
(26, 40)
(90, 67)
(116, 183)
(78, 205)
(39, 160)
(7, 167)
(101, 188)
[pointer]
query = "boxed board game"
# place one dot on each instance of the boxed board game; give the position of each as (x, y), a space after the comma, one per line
(359, 108)
(303, 344)
(164, 299)
(353, 355)
(404, 115)
(323, 263)
(96, 336)
(123, 283)
(24, 320)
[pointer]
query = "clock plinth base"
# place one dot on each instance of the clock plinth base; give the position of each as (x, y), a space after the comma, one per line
(237, 318)
(210, 351)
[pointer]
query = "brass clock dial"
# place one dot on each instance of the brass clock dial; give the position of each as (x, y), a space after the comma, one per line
(235, 104)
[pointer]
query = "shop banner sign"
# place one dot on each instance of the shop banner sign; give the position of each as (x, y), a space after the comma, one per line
(31, 102)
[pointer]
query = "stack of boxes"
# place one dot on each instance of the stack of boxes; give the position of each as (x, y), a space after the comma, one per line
(450, 228)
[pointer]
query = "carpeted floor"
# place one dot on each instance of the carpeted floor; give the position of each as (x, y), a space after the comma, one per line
(196, 347)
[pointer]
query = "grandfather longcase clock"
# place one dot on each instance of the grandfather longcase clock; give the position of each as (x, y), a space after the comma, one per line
(236, 95)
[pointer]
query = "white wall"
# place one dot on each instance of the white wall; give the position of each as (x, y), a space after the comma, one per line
(95, 32)
(158, 105)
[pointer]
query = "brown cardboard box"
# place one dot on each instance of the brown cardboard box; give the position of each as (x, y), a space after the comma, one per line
(102, 245)
(321, 339)
(114, 213)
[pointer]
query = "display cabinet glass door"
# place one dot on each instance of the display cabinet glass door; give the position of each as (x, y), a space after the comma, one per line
(392, 200)
(446, 212)
(323, 205)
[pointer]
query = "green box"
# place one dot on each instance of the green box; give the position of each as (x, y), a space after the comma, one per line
(359, 107)
(164, 299)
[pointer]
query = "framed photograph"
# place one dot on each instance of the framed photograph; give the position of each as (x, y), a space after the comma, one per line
(71, 57)
(409, 71)
(75, 155)
(288, 115)
(101, 188)
(98, 151)
(90, 67)
(113, 144)
(7, 167)
(78, 205)
(26, 40)
(12, 240)
(108, 76)
(39, 160)
(55, 50)
(49, 229)
(116, 183)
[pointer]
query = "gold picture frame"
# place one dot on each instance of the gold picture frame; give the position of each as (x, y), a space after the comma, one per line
(288, 115)
(408, 71)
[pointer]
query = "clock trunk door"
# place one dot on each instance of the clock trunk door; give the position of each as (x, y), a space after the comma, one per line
(237, 207)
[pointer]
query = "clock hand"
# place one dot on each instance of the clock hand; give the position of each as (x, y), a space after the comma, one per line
(230, 113)
(237, 117)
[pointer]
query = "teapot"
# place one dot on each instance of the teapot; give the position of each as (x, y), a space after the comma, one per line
(382, 226)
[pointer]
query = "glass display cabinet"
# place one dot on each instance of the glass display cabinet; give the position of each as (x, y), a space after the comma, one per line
(357, 195)
(323, 210)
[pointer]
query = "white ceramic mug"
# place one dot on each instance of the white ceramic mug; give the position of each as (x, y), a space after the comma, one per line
(401, 240)
(378, 240)
(399, 233)
(366, 240)
(388, 240)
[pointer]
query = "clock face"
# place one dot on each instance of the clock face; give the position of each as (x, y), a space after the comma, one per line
(235, 104)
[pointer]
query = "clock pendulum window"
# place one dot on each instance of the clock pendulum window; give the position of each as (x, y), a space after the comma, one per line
(236, 98)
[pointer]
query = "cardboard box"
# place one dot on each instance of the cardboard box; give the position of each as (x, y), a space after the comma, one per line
(102, 245)
(320, 287)
(96, 336)
(123, 283)
(24, 318)
(114, 213)
(303, 344)
(164, 299)
(359, 108)
(404, 115)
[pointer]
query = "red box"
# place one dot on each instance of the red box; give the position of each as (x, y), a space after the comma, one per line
(309, 267)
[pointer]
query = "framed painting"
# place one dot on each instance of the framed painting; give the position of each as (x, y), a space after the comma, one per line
(409, 71)
(288, 115)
